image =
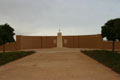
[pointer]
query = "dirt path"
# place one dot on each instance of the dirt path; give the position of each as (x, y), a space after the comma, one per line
(57, 64)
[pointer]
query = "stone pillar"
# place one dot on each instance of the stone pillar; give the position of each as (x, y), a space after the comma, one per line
(59, 40)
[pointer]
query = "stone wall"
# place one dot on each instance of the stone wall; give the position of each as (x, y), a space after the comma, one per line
(108, 45)
(37, 42)
(88, 41)
(9, 47)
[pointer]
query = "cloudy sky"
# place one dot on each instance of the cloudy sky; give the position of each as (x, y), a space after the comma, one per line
(45, 17)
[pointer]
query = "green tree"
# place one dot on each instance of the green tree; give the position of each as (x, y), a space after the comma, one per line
(111, 31)
(6, 35)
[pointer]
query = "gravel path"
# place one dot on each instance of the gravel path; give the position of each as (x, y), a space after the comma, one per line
(57, 64)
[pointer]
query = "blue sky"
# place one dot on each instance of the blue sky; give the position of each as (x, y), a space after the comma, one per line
(45, 17)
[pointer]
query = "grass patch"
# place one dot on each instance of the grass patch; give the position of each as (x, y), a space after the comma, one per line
(108, 58)
(11, 56)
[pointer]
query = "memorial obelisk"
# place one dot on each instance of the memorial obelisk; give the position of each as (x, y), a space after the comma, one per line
(59, 40)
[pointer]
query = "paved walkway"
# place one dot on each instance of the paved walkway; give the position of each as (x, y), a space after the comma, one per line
(57, 64)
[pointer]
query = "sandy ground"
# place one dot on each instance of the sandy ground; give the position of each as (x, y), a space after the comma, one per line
(57, 64)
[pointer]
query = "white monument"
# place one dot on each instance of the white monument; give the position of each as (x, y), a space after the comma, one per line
(59, 40)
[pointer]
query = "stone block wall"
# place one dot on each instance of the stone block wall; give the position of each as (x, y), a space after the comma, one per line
(38, 42)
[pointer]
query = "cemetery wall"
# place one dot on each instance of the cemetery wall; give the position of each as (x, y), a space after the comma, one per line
(75, 41)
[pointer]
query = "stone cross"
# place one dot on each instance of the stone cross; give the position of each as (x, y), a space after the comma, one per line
(59, 30)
